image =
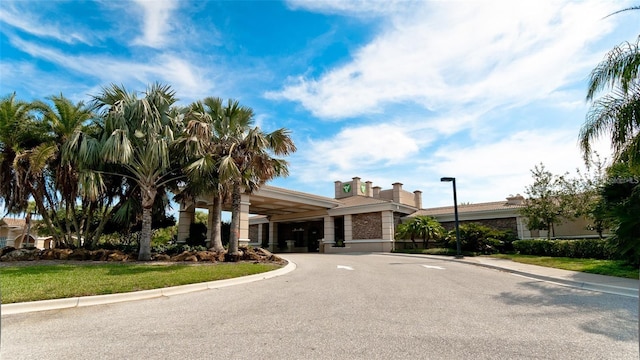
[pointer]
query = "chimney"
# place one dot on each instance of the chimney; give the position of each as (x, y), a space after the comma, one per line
(397, 190)
(338, 189)
(376, 192)
(417, 199)
(368, 190)
(355, 187)
(515, 200)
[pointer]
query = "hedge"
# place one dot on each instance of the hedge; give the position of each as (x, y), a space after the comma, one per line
(583, 248)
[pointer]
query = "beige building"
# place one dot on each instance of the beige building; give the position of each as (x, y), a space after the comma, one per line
(360, 217)
(504, 215)
(14, 232)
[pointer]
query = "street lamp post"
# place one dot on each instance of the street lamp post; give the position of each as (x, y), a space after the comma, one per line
(455, 211)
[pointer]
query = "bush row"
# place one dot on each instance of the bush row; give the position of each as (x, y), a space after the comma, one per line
(583, 248)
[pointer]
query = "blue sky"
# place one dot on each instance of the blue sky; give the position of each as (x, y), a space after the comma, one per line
(389, 91)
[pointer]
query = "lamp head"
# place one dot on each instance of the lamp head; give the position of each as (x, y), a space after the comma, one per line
(447, 179)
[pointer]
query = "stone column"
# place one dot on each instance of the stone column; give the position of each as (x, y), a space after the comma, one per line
(348, 228)
(209, 242)
(329, 233)
(387, 225)
(388, 230)
(185, 218)
(260, 235)
(243, 239)
(273, 236)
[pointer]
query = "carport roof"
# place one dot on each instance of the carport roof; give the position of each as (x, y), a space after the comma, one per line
(271, 200)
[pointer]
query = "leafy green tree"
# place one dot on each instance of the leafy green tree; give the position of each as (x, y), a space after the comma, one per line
(138, 135)
(543, 207)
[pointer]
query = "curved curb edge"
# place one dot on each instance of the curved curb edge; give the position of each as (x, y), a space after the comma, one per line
(603, 288)
(59, 304)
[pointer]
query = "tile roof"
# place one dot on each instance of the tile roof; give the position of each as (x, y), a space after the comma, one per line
(470, 208)
(14, 222)
(360, 200)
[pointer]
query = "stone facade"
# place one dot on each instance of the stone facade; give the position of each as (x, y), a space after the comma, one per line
(253, 232)
(367, 226)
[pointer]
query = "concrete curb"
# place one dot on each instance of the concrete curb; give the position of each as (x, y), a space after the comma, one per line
(584, 285)
(604, 288)
(58, 304)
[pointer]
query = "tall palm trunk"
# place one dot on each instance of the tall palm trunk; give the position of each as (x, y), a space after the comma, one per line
(216, 237)
(145, 236)
(148, 197)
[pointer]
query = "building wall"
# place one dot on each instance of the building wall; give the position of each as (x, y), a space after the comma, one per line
(367, 225)
(507, 224)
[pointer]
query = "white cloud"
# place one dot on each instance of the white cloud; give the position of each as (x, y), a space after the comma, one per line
(363, 8)
(459, 54)
(157, 22)
(360, 148)
(29, 22)
(492, 171)
(183, 76)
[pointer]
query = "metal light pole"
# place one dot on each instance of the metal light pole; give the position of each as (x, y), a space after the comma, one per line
(455, 211)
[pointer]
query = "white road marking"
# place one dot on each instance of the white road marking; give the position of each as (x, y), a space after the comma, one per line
(345, 267)
(433, 267)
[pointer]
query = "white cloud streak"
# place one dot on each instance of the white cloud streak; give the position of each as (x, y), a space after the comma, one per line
(184, 77)
(29, 22)
(157, 22)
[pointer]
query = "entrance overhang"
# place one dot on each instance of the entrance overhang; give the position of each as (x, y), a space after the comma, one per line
(282, 203)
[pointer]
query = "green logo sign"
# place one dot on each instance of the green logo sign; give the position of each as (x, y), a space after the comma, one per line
(346, 188)
(363, 188)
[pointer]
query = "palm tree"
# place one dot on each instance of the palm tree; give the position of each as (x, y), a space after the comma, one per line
(20, 132)
(424, 227)
(138, 136)
(410, 230)
(429, 229)
(75, 144)
(246, 162)
(200, 143)
(617, 112)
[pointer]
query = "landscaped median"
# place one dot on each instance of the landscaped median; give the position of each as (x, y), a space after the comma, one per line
(70, 283)
(221, 271)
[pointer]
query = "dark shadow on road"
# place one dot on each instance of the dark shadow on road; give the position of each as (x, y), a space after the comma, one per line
(618, 321)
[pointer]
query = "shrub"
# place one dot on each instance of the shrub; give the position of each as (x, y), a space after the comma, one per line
(197, 234)
(583, 248)
(480, 238)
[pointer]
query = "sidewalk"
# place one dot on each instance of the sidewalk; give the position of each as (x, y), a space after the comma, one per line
(576, 279)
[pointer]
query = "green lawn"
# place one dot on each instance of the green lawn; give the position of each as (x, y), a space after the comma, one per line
(42, 282)
(603, 267)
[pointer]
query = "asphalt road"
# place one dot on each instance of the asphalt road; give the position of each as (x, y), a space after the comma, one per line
(369, 306)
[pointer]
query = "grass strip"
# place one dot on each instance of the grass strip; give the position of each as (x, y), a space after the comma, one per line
(43, 282)
(593, 266)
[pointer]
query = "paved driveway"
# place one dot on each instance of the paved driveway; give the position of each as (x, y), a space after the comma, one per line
(360, 306)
